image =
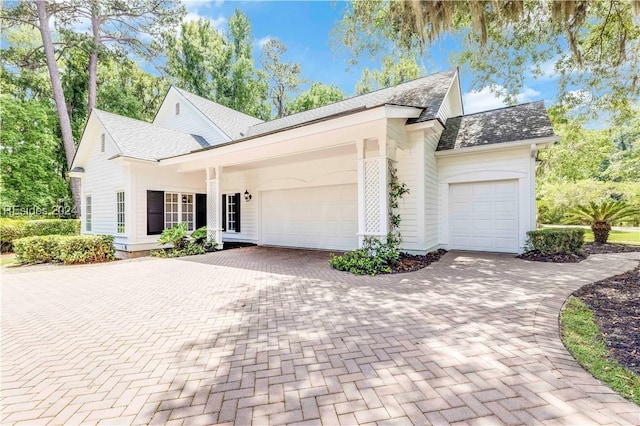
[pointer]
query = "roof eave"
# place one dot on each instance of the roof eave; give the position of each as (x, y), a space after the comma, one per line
(129, 158)
(540, 143)
(434, 126)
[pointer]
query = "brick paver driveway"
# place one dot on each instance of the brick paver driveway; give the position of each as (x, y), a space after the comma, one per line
(274, 336)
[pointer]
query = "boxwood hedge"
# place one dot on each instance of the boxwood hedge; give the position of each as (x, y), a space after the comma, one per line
(12, 229)
(551, 240)
(64, 248)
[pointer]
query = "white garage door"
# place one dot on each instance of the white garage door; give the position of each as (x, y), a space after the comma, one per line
(483, 216)
(322, 217)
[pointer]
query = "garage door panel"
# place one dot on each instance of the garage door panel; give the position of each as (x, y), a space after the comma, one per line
(484, 216)
(319, 217)
(483, 225)
(482, 207)
(506, 225)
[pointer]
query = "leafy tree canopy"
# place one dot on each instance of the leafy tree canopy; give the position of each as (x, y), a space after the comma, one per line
(30, 155)
(210, 64)
(316, 96)
(591, 46)
(284, 77)
(395, 70)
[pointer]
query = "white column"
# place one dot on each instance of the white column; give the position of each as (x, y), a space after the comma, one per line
(361, 191)
(374, 178)
(214, 206)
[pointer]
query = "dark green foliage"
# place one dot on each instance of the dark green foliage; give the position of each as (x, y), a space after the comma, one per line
(176, 236)
(10, 229)
(373, 258)
(30, 155)
(551, 241)
(51, 227)
(189, 249)
(67, 249)
(200, 235)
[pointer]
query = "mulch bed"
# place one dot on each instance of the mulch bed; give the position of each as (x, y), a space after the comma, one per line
(588, 249)
(615, 302)
(410, 262)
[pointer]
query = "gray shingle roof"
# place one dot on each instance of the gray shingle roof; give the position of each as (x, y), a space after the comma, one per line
(510, 124)
(426, 92)
(139, 139)
(233, 123)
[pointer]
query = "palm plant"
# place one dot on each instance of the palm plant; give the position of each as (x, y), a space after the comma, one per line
(602, 216)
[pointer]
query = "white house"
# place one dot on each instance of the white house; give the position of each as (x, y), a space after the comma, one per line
(318, 179)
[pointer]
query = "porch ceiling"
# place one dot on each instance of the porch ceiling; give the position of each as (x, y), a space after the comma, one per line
(295, 158)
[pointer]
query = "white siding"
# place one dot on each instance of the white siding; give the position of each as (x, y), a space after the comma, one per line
(101, 180)
(431, 218)
(515, 163)
(190, 120)
(408, 173)
(152, 177)
(304, 174)
(452, 104)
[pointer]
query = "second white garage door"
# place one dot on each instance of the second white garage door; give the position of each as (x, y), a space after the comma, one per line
(483, 216)
(323, 217)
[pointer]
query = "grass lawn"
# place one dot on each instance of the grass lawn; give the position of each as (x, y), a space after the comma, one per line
(583, 339)
(617, 237)
(7, 259)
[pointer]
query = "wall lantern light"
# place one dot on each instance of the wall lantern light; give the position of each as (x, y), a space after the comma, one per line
(247, 196)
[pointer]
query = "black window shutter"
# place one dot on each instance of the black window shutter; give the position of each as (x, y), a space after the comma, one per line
(224, 212)
(238, 204)
(155, 212)
(201, 210)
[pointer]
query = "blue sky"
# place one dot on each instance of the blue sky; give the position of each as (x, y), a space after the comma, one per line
(305, 27)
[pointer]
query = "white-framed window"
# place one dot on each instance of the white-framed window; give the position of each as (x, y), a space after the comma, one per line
(87, 213)
(188, 210)
(179, 207)
(177, 108)
(231, 212)
(120, 213)
(102, 142)
(171, 209)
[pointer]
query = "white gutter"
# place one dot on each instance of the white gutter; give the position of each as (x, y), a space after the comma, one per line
(545, 142)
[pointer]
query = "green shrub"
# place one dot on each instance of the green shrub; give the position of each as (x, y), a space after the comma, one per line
(551, 240)
(10, 229)
(190, 248)
(64, 248)
(200, 235)
(373, 258)
(176, 236)
(38, 249)
(51, 227)
(86, 248)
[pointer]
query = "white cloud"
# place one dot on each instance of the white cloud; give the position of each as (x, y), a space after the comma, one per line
(486, 98)
(264, 40)
(217, 23)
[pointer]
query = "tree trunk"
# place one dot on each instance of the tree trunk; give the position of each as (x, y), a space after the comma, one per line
(58, 96)
(93, 57)
(601, 232)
